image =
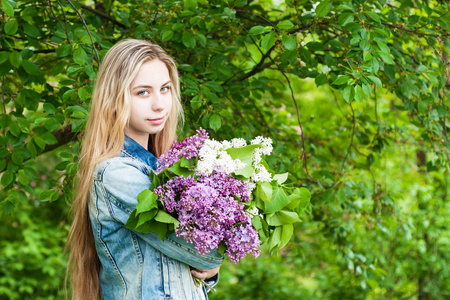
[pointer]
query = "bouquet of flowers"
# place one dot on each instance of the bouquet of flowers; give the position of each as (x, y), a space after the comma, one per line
(220, 195)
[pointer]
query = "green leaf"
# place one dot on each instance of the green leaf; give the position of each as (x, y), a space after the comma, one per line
(49, 196)
(154, 226)
(39, 142)
(14, 128)
(80, 56)
(255, 30)
(164, 217)
(373, 16)
(188, 40)
(7, 178)
(167, 35)
(281, 178)
(179, 171)
(288, 42)
(245, 154)
(348, 93)
(283, 217)
(49, 138)
(343, 79)
(31, 68)
(364, 45)
(286, 235)
(4, 56)
(268, 41)
(345, 18)
(383, 47)
(11, 27)
(275, 239)
(367, 89)
(286, 24)
(385, 57)
(63, 50)
(246, 171)
(32, 149)
(190, 4)
(146, 216)
(8, 8)
(264, 191)
(31, 30)
(147, 200)
(321, 79)
(375, 80)
(23, 179)
(423, 107)
(279, 200)
(132, 221)
(196, 102)
(359, 93)
(17, 158)
(323, 8)
(215, 122)
(367, 56)
(15, 58)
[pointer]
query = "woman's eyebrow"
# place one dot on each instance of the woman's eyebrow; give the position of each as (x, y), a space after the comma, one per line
(149, 86)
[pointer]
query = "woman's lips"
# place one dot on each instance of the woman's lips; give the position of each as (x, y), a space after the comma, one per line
(157, 121)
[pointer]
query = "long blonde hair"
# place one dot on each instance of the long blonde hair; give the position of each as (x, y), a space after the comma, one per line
(103, 138)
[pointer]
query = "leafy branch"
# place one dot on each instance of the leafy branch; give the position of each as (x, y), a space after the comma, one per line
(88, 31)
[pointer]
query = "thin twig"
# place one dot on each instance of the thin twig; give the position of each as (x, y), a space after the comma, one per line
(413, 31)
(303, 155)
(60, 24)
(87, 29)
(240, 114)
(351, 140)
(65, 20)
(210, 287)
(337, 103)
(102, 14)
(238, 11)
(3, 95)
(427, 23)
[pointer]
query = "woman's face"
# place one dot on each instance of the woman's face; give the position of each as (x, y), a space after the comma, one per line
(151, 101)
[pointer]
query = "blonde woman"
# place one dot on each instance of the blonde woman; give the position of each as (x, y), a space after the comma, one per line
(133, 119)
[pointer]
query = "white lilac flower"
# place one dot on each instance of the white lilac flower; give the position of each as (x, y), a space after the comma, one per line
(238, 142)
(261, 174)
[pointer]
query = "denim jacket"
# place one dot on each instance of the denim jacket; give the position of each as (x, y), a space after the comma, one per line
(139, 265)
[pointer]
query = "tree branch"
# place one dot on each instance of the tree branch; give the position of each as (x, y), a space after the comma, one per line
(59, 22)
(63, 136)
(303, 154)
(351, 140)
(103, 15)
(414, 31)
(65, 20)
(87, 29)
(240, 114)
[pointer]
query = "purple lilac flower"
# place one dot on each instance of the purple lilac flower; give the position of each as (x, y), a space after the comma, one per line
(241, 240)
(208, 212)
(187, 148)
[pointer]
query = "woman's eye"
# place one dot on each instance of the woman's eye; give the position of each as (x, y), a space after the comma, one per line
(165, 89)
(143, 93)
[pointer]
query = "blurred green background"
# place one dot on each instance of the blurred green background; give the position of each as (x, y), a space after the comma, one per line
(354, 95)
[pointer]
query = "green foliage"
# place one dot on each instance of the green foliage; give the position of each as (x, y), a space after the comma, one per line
(354, 94)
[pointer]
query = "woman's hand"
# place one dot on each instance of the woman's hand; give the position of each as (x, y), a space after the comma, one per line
(204, 274)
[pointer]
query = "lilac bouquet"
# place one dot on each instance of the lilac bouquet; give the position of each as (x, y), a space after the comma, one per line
(220, 195)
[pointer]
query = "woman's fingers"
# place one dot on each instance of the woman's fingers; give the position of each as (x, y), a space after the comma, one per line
(204, 274)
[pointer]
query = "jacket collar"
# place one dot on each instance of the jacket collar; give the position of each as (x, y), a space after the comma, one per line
(136, 150)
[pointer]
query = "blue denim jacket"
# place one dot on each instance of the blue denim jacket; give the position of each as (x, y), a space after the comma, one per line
(136, 265)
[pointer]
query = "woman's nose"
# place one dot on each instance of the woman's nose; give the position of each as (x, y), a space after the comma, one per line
(158, 102)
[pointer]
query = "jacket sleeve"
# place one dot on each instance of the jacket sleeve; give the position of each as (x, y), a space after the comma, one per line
(123, 181)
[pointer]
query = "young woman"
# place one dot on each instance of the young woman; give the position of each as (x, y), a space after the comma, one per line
(133, 119)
